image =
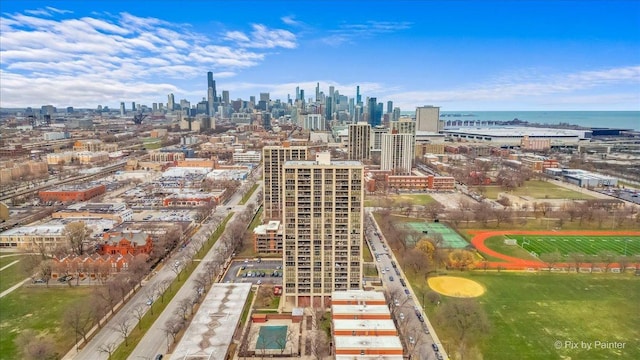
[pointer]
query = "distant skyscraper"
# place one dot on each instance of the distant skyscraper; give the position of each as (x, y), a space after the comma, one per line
(297, 92)
(428, 119)
(358, 97)
(211, 94)
(389, 107)
(317, 92)
(171, 102)
(122, 110)
(375, 116)
(397, 153)
(225, 97)
(359, 147)
(396, 114)
(329, 108)
(133, 106)
(322, 229)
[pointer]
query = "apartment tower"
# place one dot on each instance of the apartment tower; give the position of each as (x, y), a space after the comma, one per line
(428, 119)
(397, 153)
(273, 158)
(359, 147)
(323, 229)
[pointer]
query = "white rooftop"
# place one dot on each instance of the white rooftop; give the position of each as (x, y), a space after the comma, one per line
(518, 131)
(367, 342)
(359, 309)
(363, 324)
(211, 331)
(357, 295)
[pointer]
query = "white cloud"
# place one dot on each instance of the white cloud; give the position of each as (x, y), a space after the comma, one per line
(263, 38)
(541, 89)
(290, 20)
(102, 58)
(347, 33)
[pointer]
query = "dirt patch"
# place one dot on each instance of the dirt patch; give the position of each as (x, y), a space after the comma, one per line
(456, 286)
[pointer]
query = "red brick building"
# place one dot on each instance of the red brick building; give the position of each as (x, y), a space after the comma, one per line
(72, 193)
(123, 244)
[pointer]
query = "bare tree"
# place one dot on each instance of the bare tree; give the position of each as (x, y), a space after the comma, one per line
(29, 265)
(77, 233)
(177, 267)
(138, 313)
(576, 258)
(79, 318)
(184, 306)
(607, 257)
(45, 270)
(123, 326)
(34, 347)
(466, 319)
(172, 327)
(108, 348)
(163, 286)
(551, 259)
(319, 344)
(200, 282)
(150, 292)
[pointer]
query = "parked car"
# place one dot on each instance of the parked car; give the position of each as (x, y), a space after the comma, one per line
(390, 278)
(401, 316)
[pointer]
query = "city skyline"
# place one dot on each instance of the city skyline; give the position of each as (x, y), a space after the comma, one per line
(459, 55)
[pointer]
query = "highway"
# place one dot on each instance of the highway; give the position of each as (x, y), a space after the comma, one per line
(405, 310)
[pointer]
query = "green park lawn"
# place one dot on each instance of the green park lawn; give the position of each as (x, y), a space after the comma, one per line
(40, 309)
(11, 275)
(396, 200)
(531, 313)
(537, 189)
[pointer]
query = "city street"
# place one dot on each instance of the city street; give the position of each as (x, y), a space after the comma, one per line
(155, 341)
(406, 308)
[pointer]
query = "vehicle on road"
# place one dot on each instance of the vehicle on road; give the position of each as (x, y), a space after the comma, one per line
(390, 278)
(401, 316)
(412, 340)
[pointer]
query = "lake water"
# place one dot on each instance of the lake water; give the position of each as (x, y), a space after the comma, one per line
(609, 119)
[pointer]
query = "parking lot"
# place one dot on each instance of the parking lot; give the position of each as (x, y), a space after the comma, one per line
(266, 271)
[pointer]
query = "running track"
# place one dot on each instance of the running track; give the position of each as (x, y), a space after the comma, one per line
(513, 263)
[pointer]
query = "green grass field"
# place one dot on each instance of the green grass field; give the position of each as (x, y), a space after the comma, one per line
(11, 275)
(530, 312)
(396, 200)
(589, 245)
(40, 309)
(538, 190)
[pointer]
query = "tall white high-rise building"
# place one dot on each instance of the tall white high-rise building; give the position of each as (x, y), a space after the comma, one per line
(323, 229)
(428, 119)
(397, 153)
(359, 147)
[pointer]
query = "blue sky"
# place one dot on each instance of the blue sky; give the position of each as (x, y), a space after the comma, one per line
(459, 55)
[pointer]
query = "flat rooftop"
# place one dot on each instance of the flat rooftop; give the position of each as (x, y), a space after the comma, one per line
(518, 131)
(359, 309)
(357, 295)
(317, 163)
(367, 342)
(211, 331)
(363, 324)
